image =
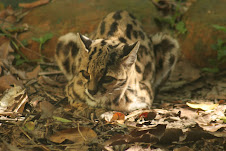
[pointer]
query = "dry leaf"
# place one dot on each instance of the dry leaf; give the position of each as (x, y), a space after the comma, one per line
(138, 148)
(202, 106)
(150, 135)
(6, 82)
(33, 4)
(77, 135)
(213, 127)
(10, 19)
(184, 148)
(8, 98)
(113, 116)
(47, 109)
(5, 48)
(30, 125)
(148, 115)
(33, 74)
(118, 116)
(13, 100)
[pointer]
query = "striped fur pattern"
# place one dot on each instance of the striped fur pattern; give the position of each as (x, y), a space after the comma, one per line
(118, 67)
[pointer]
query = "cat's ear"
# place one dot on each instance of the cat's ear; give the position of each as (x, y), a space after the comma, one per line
(129, 53)
(84, 41)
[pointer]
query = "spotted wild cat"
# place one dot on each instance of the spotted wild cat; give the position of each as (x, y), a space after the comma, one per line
(119, 67)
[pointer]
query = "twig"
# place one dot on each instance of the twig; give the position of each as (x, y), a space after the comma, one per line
(81, 133)
(48, 64)
(33, 4)
(50, 73)
(25, 134)
(51, 97)
(10, 119)
(79, 116)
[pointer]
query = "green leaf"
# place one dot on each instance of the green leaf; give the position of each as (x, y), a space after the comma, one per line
(222, 60)
(20, 61)
(212, 70)
(220, 42)
(214, 46)
(43, 39)
(218, 27)
(24, 42)
(221, 53)
(62, 119)
(168, 20)
(30, 125)
(47, 37)
(181, 27)
(16, 55)
(213, 62)
(223, 118)
(36, 39)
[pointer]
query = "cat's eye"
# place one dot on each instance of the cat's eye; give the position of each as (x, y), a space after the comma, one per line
(85, 74)
(108, 79)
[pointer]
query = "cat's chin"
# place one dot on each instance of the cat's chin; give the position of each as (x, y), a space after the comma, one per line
(136, 106)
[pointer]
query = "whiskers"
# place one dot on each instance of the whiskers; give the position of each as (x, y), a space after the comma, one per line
(130, 87)
(89, 95)
(119, 88)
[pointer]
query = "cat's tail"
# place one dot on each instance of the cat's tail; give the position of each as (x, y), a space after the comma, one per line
(66, 53)
(166, 50)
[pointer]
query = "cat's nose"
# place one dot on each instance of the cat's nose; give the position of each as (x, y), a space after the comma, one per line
(92, 86)
(92, 92)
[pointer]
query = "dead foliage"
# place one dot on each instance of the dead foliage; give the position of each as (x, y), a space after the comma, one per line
(35, 115)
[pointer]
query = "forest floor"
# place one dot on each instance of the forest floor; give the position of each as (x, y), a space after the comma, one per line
(188, 114)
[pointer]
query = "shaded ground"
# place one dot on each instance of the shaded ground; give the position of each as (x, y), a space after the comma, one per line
(35, 115)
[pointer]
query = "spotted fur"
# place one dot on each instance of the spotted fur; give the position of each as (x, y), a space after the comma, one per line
(119, 67)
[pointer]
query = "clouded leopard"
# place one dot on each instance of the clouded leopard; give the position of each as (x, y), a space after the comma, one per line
(119, 67)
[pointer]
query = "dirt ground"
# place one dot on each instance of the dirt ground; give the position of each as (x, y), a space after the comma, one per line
(187, 115)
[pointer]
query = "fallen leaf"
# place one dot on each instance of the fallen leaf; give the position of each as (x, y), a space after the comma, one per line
(36, 100)
(13, 100)
(148, 115)
(33, 74)
(151, 135)
(63, 120)
(202, 106)
(113, 116)
(138, 148)
(213, 127)
(9, 10)
(30, 125)
(10, 19)
(77, 135)
(5, 48)
(184, 148)
(9, 95)
(118, 116)
(219, 134)
(171, 135)
(107, 116)
(33, 4)
(6, 82)
(47, 109)
(221, 102)
(21, 74)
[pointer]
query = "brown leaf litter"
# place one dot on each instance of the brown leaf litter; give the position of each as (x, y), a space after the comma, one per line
(35, 115)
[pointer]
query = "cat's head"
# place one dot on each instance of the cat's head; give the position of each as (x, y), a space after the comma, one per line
(105, 65)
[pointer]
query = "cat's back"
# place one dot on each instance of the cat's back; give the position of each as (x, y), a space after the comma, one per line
(122, 25)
